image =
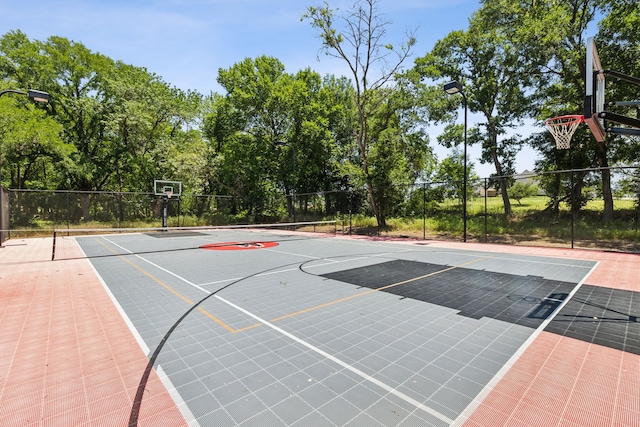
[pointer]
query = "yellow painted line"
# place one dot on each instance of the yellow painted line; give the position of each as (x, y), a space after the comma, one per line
(286, 316)
(326, 304)
(179, 295)
(223, 324)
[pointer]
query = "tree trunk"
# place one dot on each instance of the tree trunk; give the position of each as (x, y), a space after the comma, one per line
(86, 205)
(503, 182)
(362, 146)
(607, 194)
(374, 205)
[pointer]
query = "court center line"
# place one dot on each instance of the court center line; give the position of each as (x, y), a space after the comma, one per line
(292, 254)
(541, 259)
(345, 365)
(464, 252)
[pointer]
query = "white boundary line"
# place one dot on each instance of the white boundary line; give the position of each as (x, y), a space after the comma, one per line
(345, 365)
(168, 385)
(477, 401)
(323, 353)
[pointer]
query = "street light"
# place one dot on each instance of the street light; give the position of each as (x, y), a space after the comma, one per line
(453, 88)
(36, 95)
(293, 172)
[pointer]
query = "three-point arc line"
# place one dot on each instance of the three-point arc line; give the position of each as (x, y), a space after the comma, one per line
(306, 310)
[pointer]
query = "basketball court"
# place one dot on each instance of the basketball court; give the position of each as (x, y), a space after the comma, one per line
(255, 326)
(275, 327)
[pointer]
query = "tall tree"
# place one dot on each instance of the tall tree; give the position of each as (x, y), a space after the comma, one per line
(496, 79)
(618, 40)
(244, 127)
(145, 117)
(123, 120)
(30, 146)
(552, 36)
(358, 40)
(265, 107)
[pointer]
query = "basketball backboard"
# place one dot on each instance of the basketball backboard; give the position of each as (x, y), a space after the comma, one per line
(598, 112)
(167, 188)
(594, 92)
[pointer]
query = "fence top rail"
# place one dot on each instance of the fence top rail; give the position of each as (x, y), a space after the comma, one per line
(30, 190)
(204, 227)
(534, 174)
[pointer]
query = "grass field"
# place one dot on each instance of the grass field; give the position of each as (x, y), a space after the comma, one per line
(528, 224)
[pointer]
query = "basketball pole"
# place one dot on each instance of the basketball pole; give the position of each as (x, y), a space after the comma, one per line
(573, 196)
(165, 213)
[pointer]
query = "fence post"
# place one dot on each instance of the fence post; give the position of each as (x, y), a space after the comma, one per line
(424, 211)
(53, 249)
(4, 216)
(573, 198)
(350, 208)
(486, 232)
(68, 212)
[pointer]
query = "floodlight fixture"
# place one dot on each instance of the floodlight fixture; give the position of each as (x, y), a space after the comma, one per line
(35, 95)
(453, 87)
(38, 95)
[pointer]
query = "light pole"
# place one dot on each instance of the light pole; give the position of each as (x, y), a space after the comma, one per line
(35, 95)
(293, 179)
(452, 88)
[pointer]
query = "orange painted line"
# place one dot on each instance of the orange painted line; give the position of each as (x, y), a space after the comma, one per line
(326, 304)
(179, 295)
(225, 325)
(306, 310)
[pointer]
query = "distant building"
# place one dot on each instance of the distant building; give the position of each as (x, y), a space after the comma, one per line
(525, 177)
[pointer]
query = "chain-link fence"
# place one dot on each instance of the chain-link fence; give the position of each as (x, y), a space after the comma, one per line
(560, 208)
(4, 215)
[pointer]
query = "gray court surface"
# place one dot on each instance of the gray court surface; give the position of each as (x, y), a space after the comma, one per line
(329, 331)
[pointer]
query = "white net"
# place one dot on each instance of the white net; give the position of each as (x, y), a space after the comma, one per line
(562, 128)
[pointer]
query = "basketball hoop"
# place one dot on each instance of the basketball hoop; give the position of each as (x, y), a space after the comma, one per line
(168, 191)
(562, 128)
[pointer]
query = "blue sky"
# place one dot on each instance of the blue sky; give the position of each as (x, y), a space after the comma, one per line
(186, 41)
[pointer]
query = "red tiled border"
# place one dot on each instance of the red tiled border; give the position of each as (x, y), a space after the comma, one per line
(561, 381)
(67, 358)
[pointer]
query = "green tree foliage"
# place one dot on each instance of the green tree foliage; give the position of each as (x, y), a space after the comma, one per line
(618, 42)
(265, 106)
(560, 70)
(30, 145)
(122, 121)
(358, 40)
(497, 82)
(520, 190)
(449, 176)
(145, 121)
